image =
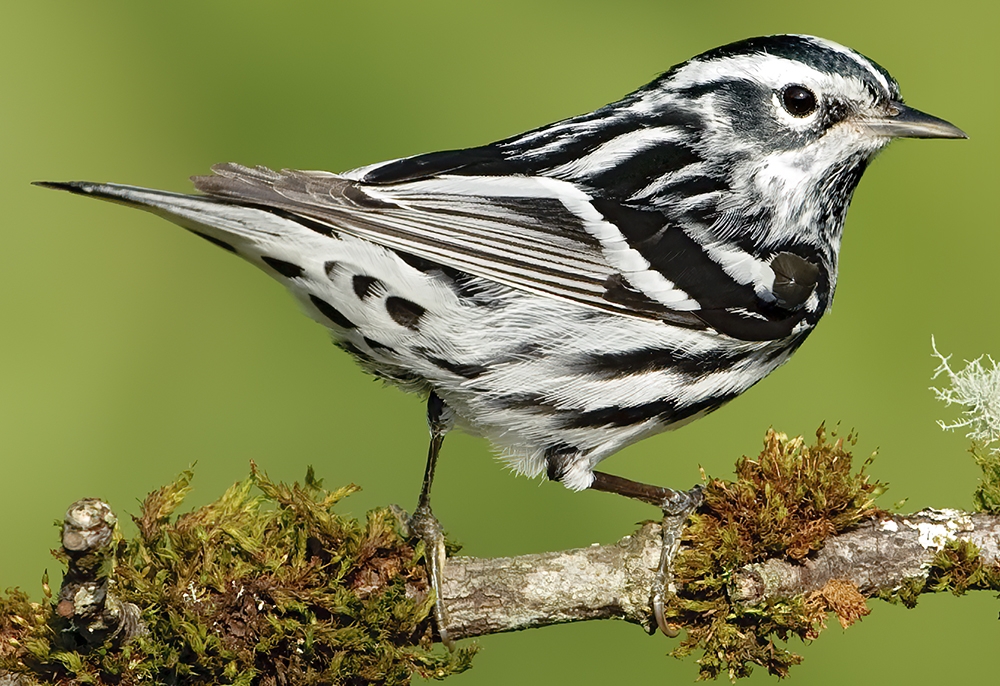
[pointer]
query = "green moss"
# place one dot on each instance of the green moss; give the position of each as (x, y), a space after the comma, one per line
(958, 567)
(908, 593)
(266, 585)
(986, 497)
(784, 503)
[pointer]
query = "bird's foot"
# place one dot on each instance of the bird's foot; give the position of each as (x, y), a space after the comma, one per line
(425, 526)
(677, 507)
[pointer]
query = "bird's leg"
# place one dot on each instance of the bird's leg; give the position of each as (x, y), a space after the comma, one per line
(676, 507)
(424, 524)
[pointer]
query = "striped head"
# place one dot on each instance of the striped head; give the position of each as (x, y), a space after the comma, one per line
(790, 122)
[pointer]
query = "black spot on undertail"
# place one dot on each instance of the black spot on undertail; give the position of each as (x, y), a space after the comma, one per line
(332, 313)
(375, 345)
(286, 269)
(468, 371)
(330, 267)
(364, 286)
(404, 312)
(355, 352)
(465, 285)
(417, 262)
(215, 241)
(558, 459)
(473, 290)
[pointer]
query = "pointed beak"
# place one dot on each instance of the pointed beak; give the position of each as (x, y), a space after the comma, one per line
(906, 122)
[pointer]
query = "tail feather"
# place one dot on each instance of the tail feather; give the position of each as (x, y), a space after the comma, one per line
(316, 193)
(236, 182)
(214, 217)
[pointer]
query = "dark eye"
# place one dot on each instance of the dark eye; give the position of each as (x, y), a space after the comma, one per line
(799, 101)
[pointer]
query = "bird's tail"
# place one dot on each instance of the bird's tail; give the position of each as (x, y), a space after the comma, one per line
(225, 223)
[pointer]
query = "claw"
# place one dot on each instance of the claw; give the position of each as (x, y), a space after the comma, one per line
(676, 509)
(669, 630)
(426, 526)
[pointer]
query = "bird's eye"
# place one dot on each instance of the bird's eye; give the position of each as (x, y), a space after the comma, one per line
(799, 101)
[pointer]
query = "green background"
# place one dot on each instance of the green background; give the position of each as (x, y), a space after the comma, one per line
(130, 349)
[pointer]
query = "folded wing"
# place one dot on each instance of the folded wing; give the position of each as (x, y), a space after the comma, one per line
(516, 230)
(531, 232)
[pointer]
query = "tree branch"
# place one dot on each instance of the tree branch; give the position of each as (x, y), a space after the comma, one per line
(279, 585)
(877, 557)
(492, 595)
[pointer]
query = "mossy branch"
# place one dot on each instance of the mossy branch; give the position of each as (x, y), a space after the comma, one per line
(891, 558)
(269, 585)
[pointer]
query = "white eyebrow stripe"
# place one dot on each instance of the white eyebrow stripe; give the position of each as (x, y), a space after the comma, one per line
(855, 56)
(775, 70)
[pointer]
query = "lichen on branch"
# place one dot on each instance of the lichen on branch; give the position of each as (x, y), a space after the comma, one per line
(975, 388)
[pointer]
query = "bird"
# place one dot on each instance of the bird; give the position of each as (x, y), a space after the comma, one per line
(571, 290)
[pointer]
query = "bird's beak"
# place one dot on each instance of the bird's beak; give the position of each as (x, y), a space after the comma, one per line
(906, 122)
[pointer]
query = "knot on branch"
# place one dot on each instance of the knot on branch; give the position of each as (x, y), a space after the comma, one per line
(95, 613)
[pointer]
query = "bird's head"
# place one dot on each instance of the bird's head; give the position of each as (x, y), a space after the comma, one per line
(784, 93)
(791, 122)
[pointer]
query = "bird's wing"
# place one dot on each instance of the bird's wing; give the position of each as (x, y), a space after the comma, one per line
(534, 233)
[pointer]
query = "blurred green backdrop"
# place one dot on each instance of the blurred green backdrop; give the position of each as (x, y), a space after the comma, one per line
(131, 349)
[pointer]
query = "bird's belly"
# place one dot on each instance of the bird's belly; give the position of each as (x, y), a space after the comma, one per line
(530, 373)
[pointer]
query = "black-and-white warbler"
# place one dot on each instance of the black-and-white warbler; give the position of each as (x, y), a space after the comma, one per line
(574, 289)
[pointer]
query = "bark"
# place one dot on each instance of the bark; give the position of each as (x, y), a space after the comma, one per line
(490, 595)
(484, 596)
(878, 556)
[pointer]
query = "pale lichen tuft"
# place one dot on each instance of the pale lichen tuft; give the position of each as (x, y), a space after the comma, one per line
(976, 388)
